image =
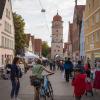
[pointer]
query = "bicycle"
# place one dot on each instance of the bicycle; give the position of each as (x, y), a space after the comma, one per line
(43, 88)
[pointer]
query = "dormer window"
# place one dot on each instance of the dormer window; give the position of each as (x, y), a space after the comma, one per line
(7, 13)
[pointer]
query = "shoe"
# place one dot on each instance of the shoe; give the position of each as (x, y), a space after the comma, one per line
(92, 93)
(17, 99)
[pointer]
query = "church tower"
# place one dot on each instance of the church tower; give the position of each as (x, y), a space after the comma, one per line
(57, 37)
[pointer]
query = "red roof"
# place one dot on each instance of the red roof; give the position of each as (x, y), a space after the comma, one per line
(57, 18)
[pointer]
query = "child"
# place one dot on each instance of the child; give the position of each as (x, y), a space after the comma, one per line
(79, 84)
(88, 84)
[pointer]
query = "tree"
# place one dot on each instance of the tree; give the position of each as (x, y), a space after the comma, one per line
(20, 37)
(45, 49)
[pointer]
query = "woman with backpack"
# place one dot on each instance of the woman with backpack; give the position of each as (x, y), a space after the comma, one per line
(15, 74)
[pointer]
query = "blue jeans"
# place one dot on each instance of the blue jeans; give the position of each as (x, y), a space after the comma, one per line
(15, 88)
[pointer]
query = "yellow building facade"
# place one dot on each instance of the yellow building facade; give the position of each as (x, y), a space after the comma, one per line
(92, 29)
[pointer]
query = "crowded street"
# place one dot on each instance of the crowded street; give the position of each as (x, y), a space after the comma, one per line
(49, 49)
(62, 90)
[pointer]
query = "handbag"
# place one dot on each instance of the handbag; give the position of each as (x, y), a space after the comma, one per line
(36, 82)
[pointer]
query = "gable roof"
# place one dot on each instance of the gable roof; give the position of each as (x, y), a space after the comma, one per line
(2, 6)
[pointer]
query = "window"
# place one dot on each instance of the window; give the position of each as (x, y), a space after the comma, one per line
(5, 42)
(97, 17)
(7, 13)
(87, 24)
(8, 43)
(87, 43)
(11, 44)
(10, 28)
(2, 41)
(2, 59)
(93, 20)
(92, 38)
(89, 6)
(89, 39)
(7, 27)
(97, 36)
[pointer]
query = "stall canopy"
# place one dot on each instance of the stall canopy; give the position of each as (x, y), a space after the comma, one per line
(43, 58)
(31, 55)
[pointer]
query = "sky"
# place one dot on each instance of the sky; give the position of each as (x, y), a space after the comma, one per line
(39, 23)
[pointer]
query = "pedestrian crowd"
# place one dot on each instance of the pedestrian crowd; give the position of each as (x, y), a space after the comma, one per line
(84, 77)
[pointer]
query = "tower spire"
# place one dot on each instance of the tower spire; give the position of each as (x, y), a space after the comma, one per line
(57, 11)
(75, 2)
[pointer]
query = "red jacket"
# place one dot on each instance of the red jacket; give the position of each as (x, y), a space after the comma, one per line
(79, 84)
(96, 84)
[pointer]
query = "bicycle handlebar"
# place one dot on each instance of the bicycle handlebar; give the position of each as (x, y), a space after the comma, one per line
(49, 74)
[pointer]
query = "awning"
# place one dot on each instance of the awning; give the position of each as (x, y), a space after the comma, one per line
(31, 55)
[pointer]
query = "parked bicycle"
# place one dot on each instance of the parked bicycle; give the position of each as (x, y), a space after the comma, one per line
(43, 88)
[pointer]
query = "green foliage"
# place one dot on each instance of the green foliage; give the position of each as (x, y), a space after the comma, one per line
(20, 37)
(45, 49)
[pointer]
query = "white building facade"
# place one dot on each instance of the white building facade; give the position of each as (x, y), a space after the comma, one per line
(7, 33)
(57, 37)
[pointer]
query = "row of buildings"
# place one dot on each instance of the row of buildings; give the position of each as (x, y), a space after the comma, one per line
(84, 31)
(7, 35)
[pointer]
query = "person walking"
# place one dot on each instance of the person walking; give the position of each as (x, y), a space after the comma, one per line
(54, 65)
(79, 83)
(50, 64)
(67, 68)
(14, 76)
(61, 66)
(87, 69)
(80, 66)
(88, 84)
(37, 70)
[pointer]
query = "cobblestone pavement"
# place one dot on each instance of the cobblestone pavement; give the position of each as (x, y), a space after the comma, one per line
(62, 90)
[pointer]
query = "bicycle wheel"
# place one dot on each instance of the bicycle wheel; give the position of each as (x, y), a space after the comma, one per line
(42, 93)
(50, 91)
